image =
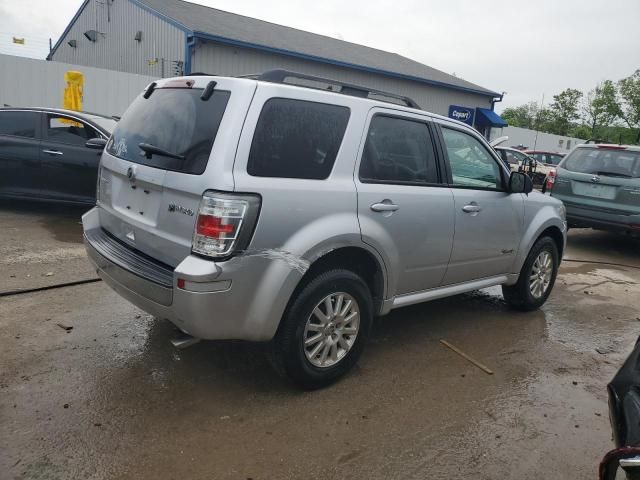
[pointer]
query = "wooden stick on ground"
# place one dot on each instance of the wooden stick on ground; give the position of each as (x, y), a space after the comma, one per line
(482, 367)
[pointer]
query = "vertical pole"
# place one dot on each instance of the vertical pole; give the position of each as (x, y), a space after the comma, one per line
(537, 126)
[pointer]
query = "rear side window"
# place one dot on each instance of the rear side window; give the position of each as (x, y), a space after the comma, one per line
(398, 151)
(176, 121)
(607, 162)
(19, 124)
(70, 132)
(297, 139)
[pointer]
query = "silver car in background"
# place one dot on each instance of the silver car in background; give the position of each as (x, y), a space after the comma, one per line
(253, 209)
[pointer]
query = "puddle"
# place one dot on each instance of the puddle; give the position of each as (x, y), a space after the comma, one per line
(65, 227)
(601, 316)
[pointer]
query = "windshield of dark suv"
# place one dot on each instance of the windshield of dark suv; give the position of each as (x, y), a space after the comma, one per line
(174, 129)
(604, 161)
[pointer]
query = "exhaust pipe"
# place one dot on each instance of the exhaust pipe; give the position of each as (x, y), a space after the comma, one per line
(183, 340)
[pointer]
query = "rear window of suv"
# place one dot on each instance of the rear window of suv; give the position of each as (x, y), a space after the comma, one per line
(176, 121)
(297, 139)
(604, 161)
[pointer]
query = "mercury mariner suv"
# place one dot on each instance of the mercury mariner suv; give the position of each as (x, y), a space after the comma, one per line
(291, 209)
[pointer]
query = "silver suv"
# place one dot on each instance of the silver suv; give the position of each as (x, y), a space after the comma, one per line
(254, 209)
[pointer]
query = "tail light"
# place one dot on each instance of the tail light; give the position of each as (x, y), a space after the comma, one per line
(550, 181)
(224, 224)
(98, 183)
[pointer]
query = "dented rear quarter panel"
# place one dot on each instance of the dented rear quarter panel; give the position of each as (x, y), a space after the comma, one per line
(300, 219)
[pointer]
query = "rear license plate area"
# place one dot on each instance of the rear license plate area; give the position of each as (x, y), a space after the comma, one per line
(593, 190)
(138, 201)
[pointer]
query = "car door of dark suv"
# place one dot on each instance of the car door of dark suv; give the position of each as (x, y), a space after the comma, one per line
(19, 153)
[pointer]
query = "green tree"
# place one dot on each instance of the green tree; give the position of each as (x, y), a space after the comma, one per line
(515, 116)
(543, 120)
(600, 107)
(629, 94)
(523, 116)
(563, 111)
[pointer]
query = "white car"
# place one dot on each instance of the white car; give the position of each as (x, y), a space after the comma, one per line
(519, 161)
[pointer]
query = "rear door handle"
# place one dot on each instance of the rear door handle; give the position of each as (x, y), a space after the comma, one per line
(52, 152)
(384, 207)
(471, 208)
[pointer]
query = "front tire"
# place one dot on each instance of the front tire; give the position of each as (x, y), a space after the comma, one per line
(537, 277)
(324, 329)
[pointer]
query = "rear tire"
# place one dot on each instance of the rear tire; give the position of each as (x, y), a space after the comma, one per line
(324, 330)
(537, 277)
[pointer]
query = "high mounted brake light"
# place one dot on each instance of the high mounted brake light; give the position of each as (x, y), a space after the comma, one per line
(179, 83)
(224, 224)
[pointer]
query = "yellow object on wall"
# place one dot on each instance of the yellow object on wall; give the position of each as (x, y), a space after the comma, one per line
(73, 92)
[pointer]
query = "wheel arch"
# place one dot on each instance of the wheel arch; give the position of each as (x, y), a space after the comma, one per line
(542, 225)
(357, 259)
(556, 235)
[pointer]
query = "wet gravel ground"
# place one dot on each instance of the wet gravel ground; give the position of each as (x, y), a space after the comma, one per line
(110, 398)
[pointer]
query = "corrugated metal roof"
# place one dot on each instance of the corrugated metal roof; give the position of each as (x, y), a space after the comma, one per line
(247, 30)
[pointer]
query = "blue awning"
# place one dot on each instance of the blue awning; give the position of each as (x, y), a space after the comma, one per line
(485, 117)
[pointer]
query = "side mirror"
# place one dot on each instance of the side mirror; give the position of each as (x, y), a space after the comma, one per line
(96, 143)
(520, 183)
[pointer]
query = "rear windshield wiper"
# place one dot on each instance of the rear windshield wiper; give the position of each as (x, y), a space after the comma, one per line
(149, 150)
(614, 174)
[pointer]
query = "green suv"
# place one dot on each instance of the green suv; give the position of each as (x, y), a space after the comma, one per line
(600, 187)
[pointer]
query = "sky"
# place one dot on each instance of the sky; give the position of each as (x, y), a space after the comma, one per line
(526, 48)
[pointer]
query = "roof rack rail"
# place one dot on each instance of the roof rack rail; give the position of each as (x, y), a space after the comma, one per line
(280, 76)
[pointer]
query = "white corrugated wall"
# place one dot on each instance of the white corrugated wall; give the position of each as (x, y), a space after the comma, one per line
(25, 82)
(116, 47)
(222, 59)
(535, 140)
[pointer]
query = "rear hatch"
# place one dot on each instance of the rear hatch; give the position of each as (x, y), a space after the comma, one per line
(174, 142)
(600, 177)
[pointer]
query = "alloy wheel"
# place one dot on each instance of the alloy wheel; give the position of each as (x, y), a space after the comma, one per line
(540, 276)
(331, 329)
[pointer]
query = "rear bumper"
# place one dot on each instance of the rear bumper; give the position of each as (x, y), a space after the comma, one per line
(590, 218)
(210, 306)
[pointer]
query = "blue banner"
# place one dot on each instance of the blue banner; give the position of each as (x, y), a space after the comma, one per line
(462, 114)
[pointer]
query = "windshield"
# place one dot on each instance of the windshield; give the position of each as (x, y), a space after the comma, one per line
(596, 161)
(175, 121)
